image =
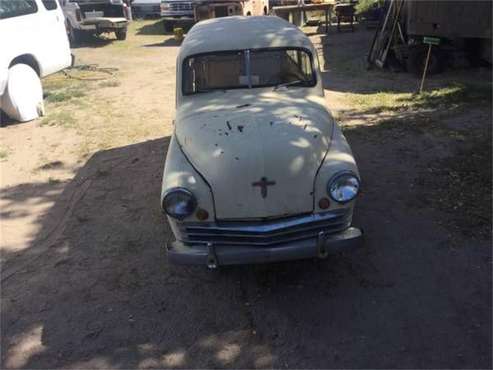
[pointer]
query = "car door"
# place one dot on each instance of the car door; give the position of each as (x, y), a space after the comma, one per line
(56, 48)
(19, 25)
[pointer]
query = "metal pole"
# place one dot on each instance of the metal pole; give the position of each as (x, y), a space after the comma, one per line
(425, 69)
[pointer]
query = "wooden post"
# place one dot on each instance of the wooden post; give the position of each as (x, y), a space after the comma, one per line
(425, 69)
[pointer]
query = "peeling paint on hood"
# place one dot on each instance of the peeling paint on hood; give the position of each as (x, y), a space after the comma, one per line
(259, 153)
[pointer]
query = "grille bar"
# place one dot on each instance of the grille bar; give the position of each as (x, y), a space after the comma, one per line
(257, 233)
(180, 6)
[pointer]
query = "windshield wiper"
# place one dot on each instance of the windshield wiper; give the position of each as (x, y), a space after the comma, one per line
(286, 84)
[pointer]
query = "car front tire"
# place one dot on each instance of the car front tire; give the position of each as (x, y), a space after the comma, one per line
(23, 98)
(121, 34)
(74, 35)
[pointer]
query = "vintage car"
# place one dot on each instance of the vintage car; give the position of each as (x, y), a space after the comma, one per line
(257, 170)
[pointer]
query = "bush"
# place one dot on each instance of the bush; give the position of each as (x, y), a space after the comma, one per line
(364, 6)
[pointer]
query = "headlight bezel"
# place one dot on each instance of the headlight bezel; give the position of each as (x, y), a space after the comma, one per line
(337, 177)
(171, 192)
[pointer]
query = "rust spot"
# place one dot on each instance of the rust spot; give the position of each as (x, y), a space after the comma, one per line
(227, 124)
(242, 105)
(240, 128)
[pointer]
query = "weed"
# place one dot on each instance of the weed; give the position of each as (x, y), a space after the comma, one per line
(450, 97)
(60, 118)
(64, 95)
(4, 154)
(109, 83)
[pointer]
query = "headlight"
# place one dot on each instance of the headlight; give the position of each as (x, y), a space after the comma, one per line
(343, 187)
(179, 203)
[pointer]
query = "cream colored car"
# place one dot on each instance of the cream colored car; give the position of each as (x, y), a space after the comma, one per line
(257, 170)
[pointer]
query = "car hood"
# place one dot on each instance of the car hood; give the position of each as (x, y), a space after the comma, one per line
(260, 154)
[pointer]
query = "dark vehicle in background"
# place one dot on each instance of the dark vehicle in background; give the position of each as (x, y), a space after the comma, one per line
(463, 27)
(96, 16)
(447, 33)
(179, 11)
(146, 8)
(174, 11)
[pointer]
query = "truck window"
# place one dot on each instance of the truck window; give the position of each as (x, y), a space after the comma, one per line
(247, 69)
(50, 4)
(16, 8)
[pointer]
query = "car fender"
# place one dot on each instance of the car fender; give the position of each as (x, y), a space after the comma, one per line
(178, 172)
(339, 158)
(4, 75)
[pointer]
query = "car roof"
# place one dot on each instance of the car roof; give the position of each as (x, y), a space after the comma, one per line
(240, 33)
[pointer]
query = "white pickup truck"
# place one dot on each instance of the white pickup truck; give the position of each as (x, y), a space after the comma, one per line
(96, 16)
(34, 44)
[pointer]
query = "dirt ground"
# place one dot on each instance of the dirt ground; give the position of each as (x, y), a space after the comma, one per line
(85, 282)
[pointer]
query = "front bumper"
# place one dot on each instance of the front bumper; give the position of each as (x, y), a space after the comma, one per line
(177, 15)
(217, 255)
(104, 23)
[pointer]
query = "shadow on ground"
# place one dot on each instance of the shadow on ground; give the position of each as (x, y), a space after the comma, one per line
(94, 289)
(157, 28)
(89, 40)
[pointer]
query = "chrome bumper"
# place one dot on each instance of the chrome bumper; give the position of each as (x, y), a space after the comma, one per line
(245, 242)
(214, 256)
(177, 15)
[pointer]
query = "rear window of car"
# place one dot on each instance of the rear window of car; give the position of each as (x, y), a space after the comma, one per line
(248, 69)
(50, 4)
(16, 8)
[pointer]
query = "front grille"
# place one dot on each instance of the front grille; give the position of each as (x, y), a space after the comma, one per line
(146, 9)
(264, 233)
(176, 7)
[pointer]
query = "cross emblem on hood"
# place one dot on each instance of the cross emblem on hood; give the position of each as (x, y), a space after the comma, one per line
(263, 184)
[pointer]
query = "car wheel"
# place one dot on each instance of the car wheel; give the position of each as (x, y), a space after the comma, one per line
(74, 35)
(121, 34)
(23, 98)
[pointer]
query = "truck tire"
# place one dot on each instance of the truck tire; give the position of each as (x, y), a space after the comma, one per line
(74, 35)
(417, 58)
(169, 26)
(23, 97)
(121, 34)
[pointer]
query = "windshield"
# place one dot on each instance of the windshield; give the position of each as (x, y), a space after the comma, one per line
(247, 69)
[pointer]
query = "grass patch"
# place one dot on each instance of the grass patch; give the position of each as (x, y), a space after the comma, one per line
(64, 95)
(4, 154)
(60, 118)
(59, 88)
(109, 83)
(451, 97)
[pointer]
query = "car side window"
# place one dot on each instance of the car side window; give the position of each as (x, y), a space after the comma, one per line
(50, 4)
(16, 8)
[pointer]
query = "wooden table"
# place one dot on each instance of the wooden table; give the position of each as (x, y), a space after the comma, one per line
(302, 9)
